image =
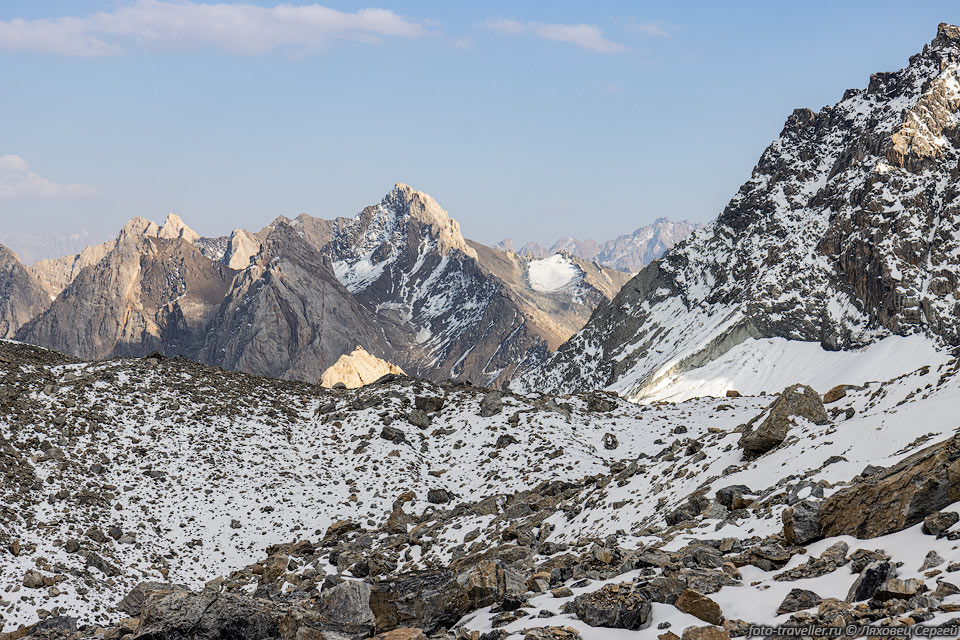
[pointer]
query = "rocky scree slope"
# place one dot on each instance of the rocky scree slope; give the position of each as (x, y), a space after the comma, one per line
(847, 231)
(140, 496)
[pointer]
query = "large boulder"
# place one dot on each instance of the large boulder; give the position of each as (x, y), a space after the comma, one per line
(428, 600)
(615, 606)
(700, 606)
(178, 614)
(870, 579)
(770, 428)
(898, 497)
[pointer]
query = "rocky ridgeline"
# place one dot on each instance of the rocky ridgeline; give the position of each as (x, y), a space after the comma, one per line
(846, 232)
(635, 518)
(399, 279)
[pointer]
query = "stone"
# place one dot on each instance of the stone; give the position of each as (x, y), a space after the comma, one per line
(33, 579)
(801, 523)
(796, 402)
(732, 393)
(428, 600)
(348, 606)
(727, 495)
(394, 435)
(936, 523)
(869, 580)
(439, 496)
(700, 606)
(610, 441)
(614, 606)
(358, 369)
(428, 404)
(406, 633)
(899, 497)
(491, 404)
(894, 589)
(705, 633)
(178, 613)
(418, 418)
(933, 559)
(798, 600)
(835, 393)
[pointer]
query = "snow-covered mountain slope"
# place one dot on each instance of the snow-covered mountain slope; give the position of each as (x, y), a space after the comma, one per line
(847, 232)
(128, 471)
(630, 252)
(474, 311)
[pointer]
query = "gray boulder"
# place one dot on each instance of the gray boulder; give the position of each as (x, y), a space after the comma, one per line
(798, 600)
(801, 523)
(491, 404)
(870, 579)
(615, 606)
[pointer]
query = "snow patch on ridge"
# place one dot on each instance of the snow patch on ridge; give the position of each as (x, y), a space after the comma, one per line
(553, 273)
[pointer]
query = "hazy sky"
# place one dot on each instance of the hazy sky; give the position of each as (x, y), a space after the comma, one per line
(528, 120)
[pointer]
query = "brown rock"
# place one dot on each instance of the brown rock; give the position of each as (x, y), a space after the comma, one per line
(898, 497)
(406, 633)
(705, 633)
(796, 402)
(835, 393)
(700, 606)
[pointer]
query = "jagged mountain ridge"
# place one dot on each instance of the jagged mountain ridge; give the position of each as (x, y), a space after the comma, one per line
(846, 232)
(629, 252)
(398, 279)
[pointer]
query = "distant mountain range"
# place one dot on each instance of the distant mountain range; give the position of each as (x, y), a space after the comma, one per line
(399, 279)
(630, 252)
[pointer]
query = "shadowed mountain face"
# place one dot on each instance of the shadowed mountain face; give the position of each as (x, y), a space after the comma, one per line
(399, 279)
(22, 296)
(847, 231)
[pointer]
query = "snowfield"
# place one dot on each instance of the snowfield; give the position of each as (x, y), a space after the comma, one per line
(553, 273)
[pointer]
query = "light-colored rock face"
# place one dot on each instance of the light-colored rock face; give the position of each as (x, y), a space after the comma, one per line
(241, 247)
(56, 275)
(357, 369)
(175, 228)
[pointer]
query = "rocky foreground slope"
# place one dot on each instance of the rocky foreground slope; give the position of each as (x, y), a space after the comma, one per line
(158, 498)
(847, 232)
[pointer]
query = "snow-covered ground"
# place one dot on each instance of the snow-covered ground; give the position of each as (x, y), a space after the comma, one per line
(769, 365)
(206, 469)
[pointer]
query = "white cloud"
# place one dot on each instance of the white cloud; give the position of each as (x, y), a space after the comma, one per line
(238, 28)
(18, 181)
(587, 36)
(648, 29)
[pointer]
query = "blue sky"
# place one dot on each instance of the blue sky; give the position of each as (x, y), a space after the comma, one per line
(528, 120)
